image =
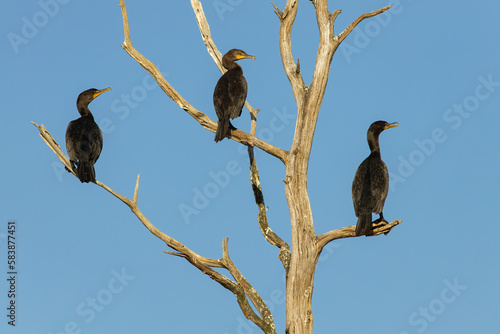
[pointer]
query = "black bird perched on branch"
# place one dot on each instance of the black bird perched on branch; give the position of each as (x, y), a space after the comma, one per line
(371, 182)
(230, 92)
(84, 138)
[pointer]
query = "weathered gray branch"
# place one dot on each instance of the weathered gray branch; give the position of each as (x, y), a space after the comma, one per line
(350, 232)
(268, 233)
(241, 288)
(266, 321)
(306, 246)
(267, 325)
(206, 35)
(287, 18)
(212, 49)
(54, 146)
(353, 25)
(327, 46)
(254, 173)
(199, 116)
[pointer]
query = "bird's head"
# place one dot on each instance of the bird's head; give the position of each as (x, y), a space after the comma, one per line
(233, 55)
(86, 97)
(379, 126)
(375, 130)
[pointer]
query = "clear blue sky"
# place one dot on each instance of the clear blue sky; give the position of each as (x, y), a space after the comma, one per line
(87, 265)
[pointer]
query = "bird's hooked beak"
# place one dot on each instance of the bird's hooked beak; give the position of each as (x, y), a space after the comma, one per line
(391, 125)
(99, 92)
(244, 56)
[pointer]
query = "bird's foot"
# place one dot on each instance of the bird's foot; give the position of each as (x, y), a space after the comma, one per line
(74, 167)
(380, 223)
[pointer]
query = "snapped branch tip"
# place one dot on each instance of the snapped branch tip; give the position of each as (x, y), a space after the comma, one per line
(175, 254)
(225, 250)
(278, 12)
(136, 190)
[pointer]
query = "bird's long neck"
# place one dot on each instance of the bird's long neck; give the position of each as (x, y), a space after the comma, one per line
(373, 142)
(83, 109)
(230, 65)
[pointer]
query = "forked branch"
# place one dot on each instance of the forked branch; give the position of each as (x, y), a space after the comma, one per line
(267, 325)
(199, 116)
(270, 236)
(353, 25)
(266, 230)
(268, 233)
(241, 288)
(267, 322)
(292, 70)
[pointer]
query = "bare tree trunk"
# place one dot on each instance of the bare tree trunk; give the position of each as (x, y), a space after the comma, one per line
(300, 276)
(306, 246)
(300, 263)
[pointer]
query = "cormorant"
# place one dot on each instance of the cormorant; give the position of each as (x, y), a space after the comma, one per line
(230, 92)
(371, 182)
(84, 138)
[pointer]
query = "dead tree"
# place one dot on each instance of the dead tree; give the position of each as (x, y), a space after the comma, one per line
(300, 263)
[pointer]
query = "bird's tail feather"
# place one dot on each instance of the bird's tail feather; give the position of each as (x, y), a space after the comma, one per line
(222, 129)
(364, 225)
(86, 172)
